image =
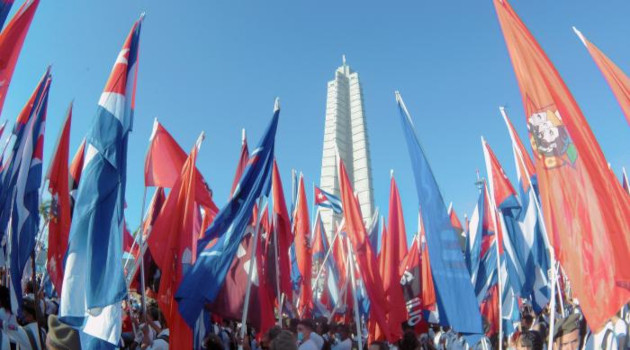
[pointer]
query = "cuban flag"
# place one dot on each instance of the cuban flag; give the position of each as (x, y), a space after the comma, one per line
(94, 282)
(220, 243)
(22, 181)
(5, 8)
(327, 200)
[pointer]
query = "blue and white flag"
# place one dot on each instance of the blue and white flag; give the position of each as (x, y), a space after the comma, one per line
(93, 282)
(21, 185)
(456, 300)
(206, 277)
(328, 200)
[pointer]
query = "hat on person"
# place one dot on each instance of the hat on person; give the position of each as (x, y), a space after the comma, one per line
(61, 336)
(566, 325)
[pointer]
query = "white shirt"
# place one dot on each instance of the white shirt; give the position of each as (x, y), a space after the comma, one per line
(308, 345)
(596, 341)
(343, 345)
(317, 339)
(621, 332)
(160, 344)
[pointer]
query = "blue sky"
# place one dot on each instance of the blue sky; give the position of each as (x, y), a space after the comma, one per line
(217, 66)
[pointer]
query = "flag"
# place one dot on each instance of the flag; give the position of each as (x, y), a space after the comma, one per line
(5, 8)
(456, 301)
(242, 163)
(172, 244)
(164, 162)
(75, 172)
(220, 242)
(327, 200)
(618, 81)
(282, 231)
(625, 183)
(364, 255)
(94, 282)
(325, 290)
(22, 181)
(303, 252)
(530, 222)
(585, 210)
(11, 41)
(59, 225)
(393, 252)
(457, 226)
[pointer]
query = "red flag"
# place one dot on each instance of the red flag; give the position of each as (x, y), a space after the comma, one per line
(282, 229)
(500, 185)
(303, 252)
(76, 167)
(393, 252)
(586, 213)
(172, 243)
(619, 82)
(429, 299)
(365, 257)
(242, 163)
(11, 41)
(164, 162)
(59, 224)
(490, 310)
(457, 225)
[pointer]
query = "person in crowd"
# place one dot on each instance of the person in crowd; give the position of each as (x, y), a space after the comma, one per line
(604, 339)
(213, 342)
(61, 336)
(304, 331)
(409, 341)
(155, 323)
(227, 336)
(269, 336)
(31, 335)
(378, 345)
(284, 341)
(566, 333)
(529, 340)
(342, 338)
(620, 328)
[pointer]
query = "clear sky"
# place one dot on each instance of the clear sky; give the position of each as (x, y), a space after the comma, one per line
(217, 66)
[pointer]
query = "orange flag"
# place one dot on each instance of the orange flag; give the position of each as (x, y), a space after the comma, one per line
(172, 244)
(303, 252)
(365, 257)
(619, 82)
(282, 229)
(59, 225)
(586, 213)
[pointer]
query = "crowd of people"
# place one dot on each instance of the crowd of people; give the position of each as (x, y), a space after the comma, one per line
(36, 326)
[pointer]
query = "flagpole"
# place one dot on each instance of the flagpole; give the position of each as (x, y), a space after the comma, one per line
(278, 293)
(357, 318)
(319, 272)
(552, 256)
(141, 258)
(500, 299)
(252, 263)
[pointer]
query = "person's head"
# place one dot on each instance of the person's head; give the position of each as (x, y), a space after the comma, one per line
(60, 336)
(529, 340)
(5, 298)
(342, 332)
(566, 334)
(527, 320)
(28, 311)
(409, 341)
(304, 329)
(377, 345)
(284, 341)
(321, 325)
(213, 342)
(269, 336)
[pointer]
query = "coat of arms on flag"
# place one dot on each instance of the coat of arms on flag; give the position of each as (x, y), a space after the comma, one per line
(550, 140)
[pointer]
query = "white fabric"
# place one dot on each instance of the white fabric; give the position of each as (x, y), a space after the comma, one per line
(160, 344)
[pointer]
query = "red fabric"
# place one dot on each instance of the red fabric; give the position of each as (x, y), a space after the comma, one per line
(11, 41)
(501, 187)
(365, 257)
(457, 225)
(164, 163)
(282, 229)
(172, 244)
(585, 210)
(60, 211)
(76, 167)
(490, 310)
(303, 252)
(619, 82)
(240, 167)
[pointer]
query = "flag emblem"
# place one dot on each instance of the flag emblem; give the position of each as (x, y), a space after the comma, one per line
(550, 139)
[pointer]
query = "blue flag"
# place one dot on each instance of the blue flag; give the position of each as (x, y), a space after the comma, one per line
(93, 282)
(456, 300)
(22, 181)
(205, 278)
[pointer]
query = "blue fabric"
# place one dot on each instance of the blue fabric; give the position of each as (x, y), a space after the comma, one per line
(332, 202)
(206, 277)
(457, 303)
(5, 8)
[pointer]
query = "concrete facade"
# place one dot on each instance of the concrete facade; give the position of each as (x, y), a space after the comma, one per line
(346, 130)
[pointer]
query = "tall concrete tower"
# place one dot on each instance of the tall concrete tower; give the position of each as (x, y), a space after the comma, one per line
(346, 130)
